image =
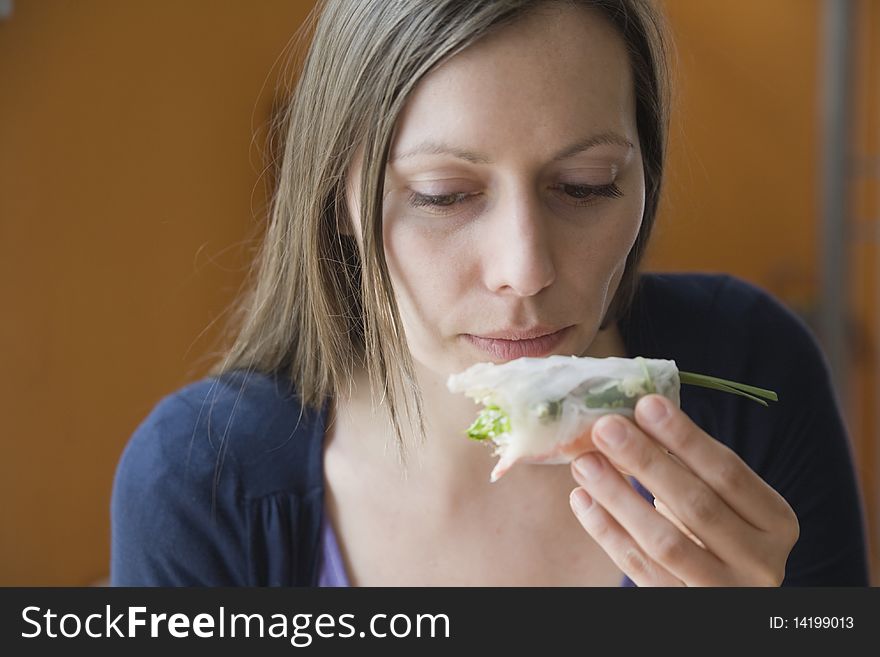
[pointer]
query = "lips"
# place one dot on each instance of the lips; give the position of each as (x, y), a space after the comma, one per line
(520, 334)
(507, 345)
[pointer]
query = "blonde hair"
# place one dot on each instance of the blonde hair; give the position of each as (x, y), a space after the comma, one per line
(315, 308)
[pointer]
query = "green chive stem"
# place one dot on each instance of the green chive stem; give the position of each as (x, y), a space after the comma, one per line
(715, 383)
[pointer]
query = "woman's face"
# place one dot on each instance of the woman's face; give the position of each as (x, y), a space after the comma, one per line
(514, 192)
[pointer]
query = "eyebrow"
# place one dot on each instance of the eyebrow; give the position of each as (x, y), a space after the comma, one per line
(440, 148)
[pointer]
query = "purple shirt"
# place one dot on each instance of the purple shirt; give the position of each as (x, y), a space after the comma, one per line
(332, 567)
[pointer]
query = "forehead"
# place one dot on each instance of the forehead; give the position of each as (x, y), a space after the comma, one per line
(558, 71)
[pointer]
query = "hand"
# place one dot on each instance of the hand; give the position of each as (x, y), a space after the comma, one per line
(719, 523)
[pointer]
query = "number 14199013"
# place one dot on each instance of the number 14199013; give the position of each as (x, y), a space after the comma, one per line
(812, 622)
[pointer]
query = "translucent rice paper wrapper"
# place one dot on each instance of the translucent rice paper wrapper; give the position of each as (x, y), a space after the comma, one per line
(553, 402)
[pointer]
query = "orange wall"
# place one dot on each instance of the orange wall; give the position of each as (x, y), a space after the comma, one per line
(127, 182)
(129, 186)
(742, 189)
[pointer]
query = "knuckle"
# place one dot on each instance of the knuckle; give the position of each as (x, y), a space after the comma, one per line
(679, 438)
(788, 520)
(600, 530)
(703, 509)
(677, 442)
(730, 475)
(641, 459)
(633, 561)
(670, 547)
(795, 529)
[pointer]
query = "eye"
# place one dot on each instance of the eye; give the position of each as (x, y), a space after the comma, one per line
(587, 194)
(439, 200)
(440, 204)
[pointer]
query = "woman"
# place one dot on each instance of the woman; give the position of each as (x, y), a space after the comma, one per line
(466, 182)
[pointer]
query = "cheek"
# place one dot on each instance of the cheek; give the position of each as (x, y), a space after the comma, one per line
(427, 269)
(598, 248)
(620, 228)
(623, 238)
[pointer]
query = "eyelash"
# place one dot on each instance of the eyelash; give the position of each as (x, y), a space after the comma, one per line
(584, 195)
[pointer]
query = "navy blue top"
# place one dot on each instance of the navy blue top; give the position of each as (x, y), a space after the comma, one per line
(222, 484)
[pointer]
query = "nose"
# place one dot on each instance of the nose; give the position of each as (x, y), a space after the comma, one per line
(518, 253)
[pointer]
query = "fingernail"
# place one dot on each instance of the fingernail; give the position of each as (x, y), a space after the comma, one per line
(652, 409)
(580, 500)
(611, 432)
(588, 465)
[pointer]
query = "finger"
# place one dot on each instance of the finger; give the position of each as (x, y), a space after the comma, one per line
(720, 467)
(655, 535)
(667, 512)
(664, 511)
(692, 501)
(621, 547)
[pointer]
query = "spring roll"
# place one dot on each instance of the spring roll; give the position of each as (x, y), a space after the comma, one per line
(542, 410)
